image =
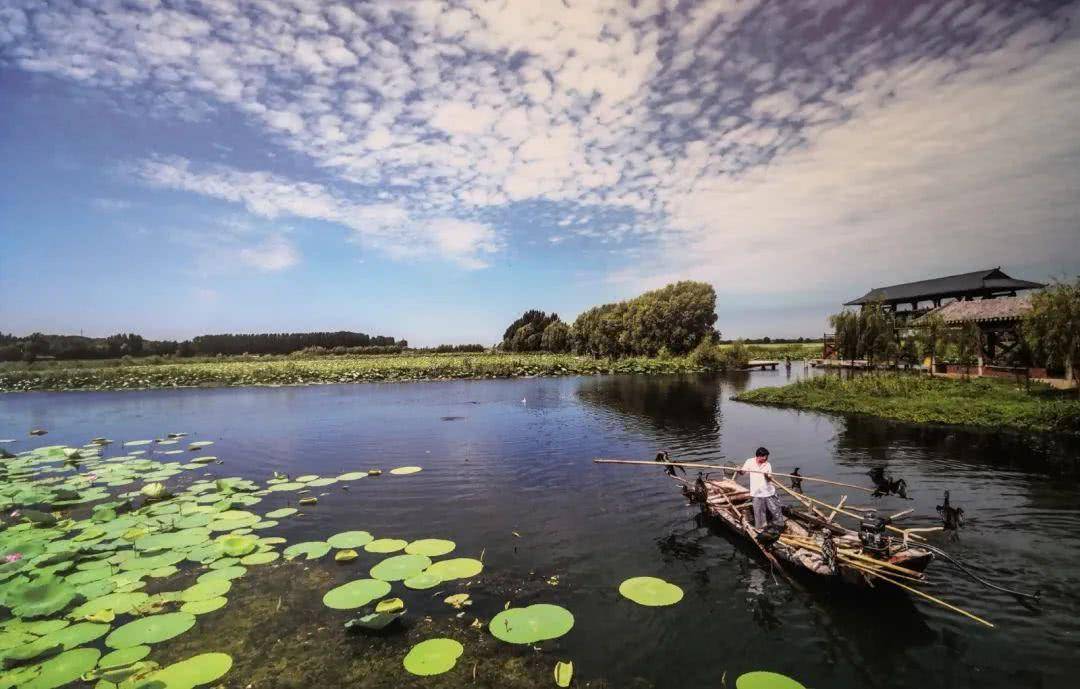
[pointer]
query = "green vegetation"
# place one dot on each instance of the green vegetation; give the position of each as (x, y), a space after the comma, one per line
(348, 369)
(1052, 328)
(983, 402)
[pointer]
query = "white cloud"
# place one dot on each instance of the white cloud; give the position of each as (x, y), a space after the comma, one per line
(271, 255)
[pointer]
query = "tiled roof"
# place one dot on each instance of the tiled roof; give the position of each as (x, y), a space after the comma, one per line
(981, 281)
(982, 310)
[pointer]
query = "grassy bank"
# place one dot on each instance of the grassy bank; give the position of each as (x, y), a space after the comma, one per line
(921, 399)
(344, 369)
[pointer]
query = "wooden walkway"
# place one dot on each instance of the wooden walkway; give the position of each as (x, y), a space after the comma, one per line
(761, 364)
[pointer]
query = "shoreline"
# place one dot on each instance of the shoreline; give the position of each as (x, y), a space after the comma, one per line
(978, 403)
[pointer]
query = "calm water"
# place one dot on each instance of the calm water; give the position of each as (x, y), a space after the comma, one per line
(510, 456)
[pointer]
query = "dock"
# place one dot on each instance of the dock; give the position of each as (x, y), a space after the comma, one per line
(761, 364)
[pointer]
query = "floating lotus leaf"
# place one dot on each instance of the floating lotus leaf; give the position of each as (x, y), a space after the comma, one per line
(77, 634)
(457, 600)
(63, 669)
(139, 564)
(119, 603)
(200, 444)
(224, 562)
(123, 656)
(309, 500)
(195, 671)
(39, 597)
(400, 567)
(432, 547)
(531, 624)
(374, 472)
(206, 589)
(237, 546)
(456, 568)
(307, 477)
(31, 650)
(564, 672)
(347, 555)
(201, 607)
(223, 574)
(385, 545)
(174, 540)
(150, 630)
(321, 482)
(650, 591)
(205, 459)
(422, 581)
(39, 627)
(766, 680)
(88, 575)
(281, 513)
(261, 558)
(312, 549)
(405, 471)
(350, 539)
(390, 605)
(355, 594)
(288, 485)
(137, 443)
(162, 572)
(353, 476)
(265, 524)
(433, 657)
(154, 491)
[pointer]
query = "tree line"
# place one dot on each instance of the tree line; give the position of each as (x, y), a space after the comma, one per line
(39, 345)
(672, 320)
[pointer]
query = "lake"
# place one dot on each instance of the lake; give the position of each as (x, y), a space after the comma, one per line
(507, 473)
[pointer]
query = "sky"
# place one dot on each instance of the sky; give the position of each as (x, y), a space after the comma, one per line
(430, 169)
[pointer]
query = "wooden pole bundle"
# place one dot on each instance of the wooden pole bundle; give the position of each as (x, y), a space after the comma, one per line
(718, 467)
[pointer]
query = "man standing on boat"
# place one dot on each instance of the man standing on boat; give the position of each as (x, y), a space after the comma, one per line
(766, 504)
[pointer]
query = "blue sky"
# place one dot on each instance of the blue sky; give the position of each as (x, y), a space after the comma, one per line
(431, 169)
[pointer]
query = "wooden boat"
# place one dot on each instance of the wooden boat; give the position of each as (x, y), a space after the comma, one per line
(811, 543)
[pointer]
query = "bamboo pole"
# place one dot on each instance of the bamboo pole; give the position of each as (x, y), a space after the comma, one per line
(932, 599)
(903, 532)
(696, 465)
(839, 505)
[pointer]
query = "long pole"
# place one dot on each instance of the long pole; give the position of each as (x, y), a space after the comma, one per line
(694, 465)
(753, 537)
(906, 533)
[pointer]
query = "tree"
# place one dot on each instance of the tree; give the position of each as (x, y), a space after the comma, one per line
(534, 323)
(933, 338)
(846, 325)
(556, 338)
(1052, 328)
(968, 340)
(876, 333)
(677, 317)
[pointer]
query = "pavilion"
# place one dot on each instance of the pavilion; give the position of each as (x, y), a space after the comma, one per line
(981, 284)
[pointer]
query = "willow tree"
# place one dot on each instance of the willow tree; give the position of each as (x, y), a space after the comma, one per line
(933, 338)
(968, 341)
(845, 327)
(1052, 328)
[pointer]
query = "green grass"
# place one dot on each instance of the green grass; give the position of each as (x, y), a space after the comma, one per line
(779, 351)
(983, 402)
(343, 369)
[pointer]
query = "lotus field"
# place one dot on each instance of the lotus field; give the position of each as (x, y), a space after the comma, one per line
(346, 369)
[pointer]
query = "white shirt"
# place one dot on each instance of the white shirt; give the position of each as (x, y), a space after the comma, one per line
(759, 487)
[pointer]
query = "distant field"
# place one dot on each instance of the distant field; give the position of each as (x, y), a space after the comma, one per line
(797, 351)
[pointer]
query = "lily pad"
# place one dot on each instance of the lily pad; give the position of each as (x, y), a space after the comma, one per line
(456, 568)
(260, 558)
(385, 545)
(206, 589)
(288, 485)
(531, 624)
(374, 621)
(405, 471)
(422, 581)
(433, 657)
(355, 594)
(201, 607)
(64, 668)
(225, 573)
(766, 680)
(350, 539)
(390, 605)
(237, 546)
(150, 630)
(400, 567)
(352, 476)
(200, 444)
(651, 591)
(432, 547)
(123, 656)
(40, 597)
(312, 549)
(564, 672)
(195, 671)
(281, 513)
(347, 555)
(119, 603)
